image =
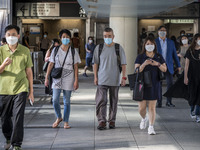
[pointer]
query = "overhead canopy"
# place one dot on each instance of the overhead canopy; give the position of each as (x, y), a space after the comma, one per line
(130, 8)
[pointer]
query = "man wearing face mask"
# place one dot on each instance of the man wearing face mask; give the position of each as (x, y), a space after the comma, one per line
(89, 47)
(16, 80)
(45, 44)
(167, 49)
(107, 77)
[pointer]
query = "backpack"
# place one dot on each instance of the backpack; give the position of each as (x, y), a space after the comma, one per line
(117, 53)
(72, 51)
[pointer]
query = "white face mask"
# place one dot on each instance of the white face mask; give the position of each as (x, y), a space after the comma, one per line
(162, 33)
(12, 40)
(185, 41)
(90, 41)
(198, 42)
(149, 48)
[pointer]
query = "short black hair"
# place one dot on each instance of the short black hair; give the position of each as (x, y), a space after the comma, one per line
(46, 33)
(162, 27)
(182, 31)
(108, 29)
(76, 34)
(55, 41)
(3, 40)
(90, 37)
(27, 32)
(65, 31)
(10, 27)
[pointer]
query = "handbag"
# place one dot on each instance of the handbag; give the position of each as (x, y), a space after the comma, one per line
(147, 79)
(132, 78)
(161, 75)
(45, 66)
(56, 73)
(144, 76)
(138, 90)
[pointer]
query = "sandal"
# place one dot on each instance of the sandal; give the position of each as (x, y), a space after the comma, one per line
(66, 126)
(56, 123)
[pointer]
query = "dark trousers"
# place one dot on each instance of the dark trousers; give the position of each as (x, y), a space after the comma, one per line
(101, 103)
(44, 53)
(13, 106)
(169, 80)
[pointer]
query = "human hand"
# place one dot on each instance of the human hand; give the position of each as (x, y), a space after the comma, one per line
(186, 81)
(46, 83)
(7, 61)
(76, 85)
(95, 81)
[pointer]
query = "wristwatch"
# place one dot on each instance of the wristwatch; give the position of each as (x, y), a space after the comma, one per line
(124, 78)
(159, 65)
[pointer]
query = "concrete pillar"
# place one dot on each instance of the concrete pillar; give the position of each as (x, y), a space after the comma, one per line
(87, 29)
(196, 26)
(125, 31)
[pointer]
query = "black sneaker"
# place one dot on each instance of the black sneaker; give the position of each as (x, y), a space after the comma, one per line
(112, 125)
(159, 106)
(102, 126)
(85, 75)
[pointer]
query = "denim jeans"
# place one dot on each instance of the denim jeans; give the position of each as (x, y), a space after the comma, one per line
(66, 101)
(195, 109)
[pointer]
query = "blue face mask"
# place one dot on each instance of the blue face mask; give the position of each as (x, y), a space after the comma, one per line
(108, 41)
(65, 41)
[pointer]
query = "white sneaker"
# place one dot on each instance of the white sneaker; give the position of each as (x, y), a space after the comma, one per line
(197, 119)
(143, 123)
(192, 115)
(151, 130)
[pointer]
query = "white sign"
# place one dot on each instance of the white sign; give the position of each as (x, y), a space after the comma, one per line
(22, 9)
(35, 30)
(45, 9)
(151, 28)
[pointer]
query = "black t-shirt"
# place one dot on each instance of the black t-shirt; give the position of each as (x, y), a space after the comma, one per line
(23, 40)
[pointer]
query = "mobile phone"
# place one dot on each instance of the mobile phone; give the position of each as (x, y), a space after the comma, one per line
(30, 102)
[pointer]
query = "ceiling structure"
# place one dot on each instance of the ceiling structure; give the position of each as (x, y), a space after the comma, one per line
(130, 8)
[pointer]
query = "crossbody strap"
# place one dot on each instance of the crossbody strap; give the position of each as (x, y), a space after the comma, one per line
(65, 57)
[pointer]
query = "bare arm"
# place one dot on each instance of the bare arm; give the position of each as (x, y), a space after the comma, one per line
(29, 74)
(27, 44)
(123, 82)
(48, 54)
(50, 66)
(187, 62)
(76, 76)
(95, 67)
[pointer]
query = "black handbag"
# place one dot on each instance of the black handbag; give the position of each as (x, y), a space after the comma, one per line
(45, 66)
(132, 78)
(56, 73)
(138, 90)
(144, 76)
(147, 79)
(161, 75)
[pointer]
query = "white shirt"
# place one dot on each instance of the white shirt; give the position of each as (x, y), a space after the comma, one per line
(66, 82)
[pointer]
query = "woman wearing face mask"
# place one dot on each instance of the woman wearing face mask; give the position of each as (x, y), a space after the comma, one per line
(151, 61)
(184, 47)
(192, 76)
(69, 79)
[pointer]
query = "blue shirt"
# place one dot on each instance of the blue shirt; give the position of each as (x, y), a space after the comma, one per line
(163, 45)
(90, 47)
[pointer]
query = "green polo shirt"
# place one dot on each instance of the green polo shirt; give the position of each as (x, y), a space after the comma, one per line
(13, 79)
